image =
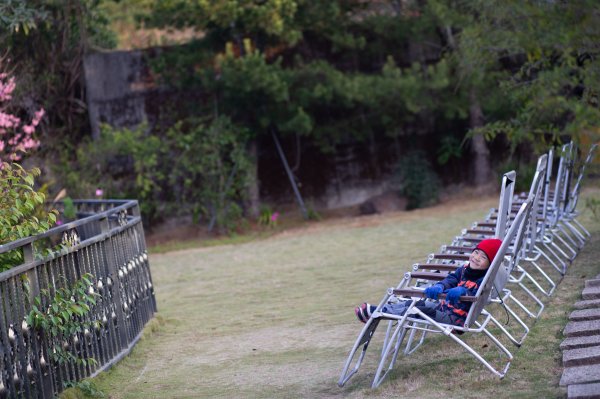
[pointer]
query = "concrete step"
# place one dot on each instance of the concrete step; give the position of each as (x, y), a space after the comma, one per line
(580, 342)
(583, 391)
(592, 283)
(594, 303)
(591, 293)
(582, 328)
(581, 356)
(585, 314)
(580, 375)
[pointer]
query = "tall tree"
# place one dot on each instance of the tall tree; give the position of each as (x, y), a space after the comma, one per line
(549, 53)
(46, 42)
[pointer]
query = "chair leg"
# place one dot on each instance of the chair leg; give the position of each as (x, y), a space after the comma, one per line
(515, 341)
(560, 251)
(585, 231)
(363, 341)
(523, 307)
(551, 282)
(572, 238)
(545, 250)
(579, 235)
(389, 355)
(565, 245)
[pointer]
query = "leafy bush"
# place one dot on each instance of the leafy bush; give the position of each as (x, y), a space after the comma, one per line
(81, 390)
(61, 316)
(199, 167)
(125, 163)
(208, 169)
(22, 211)
(416, 180)
(16, 136)
(69, 211)
(267, 217)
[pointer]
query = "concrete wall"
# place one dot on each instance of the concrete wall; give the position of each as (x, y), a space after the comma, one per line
(116, 86)
(122, 92)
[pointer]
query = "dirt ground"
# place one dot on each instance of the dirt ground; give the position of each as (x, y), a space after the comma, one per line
(274, 317)
(181, 230)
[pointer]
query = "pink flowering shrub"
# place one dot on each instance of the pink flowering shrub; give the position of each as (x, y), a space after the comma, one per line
(22, 210)
(16, 135)
(268, 217)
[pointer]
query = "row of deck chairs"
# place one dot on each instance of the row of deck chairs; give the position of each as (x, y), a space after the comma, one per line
(540, 235)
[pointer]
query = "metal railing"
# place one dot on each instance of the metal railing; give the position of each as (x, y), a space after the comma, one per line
(107, 241)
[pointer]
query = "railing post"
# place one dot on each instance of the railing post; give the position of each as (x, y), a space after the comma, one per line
(113, 273)
(42, 370)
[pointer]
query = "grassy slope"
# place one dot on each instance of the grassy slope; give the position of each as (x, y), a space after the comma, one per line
(273, 318)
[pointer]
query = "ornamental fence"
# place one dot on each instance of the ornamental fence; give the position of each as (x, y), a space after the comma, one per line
(106, 240)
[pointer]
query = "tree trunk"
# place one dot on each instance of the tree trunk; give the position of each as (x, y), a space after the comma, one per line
(253, 188)
(480, 155)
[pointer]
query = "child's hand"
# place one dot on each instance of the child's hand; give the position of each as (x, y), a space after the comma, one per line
(453, 294)
(433, 291)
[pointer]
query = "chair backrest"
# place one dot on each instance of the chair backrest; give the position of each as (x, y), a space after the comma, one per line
(562, 184)
(574, 195)
(505, 203)
(513, 237)
(535, 192)
(547, 181)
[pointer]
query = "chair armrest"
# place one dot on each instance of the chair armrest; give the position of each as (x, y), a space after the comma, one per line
(419, 293)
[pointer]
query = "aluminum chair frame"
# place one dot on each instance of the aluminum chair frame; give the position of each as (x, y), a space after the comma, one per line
(425, 324)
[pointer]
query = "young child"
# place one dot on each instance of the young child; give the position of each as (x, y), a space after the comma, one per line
(465, 280)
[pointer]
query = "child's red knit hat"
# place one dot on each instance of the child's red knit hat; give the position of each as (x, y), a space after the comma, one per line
(490, 247)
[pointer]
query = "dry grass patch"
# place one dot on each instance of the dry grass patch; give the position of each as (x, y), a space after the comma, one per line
(273, 318)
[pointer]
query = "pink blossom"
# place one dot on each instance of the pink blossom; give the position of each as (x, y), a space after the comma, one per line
(99, 192)
(38, 117)
(8, 120)
(59, 222)
(6, 88)
(18, 136)
(30, 143)
(274, 217)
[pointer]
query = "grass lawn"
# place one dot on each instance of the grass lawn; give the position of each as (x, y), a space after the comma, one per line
(273, 318)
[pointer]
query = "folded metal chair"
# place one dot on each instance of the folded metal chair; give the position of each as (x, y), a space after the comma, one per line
(497, 226)
(570, 213)
(556, 233)
(414, 321)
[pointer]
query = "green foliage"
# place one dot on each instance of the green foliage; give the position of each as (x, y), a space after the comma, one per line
(61, 315)
(297, 86)
(19, 15)
(550, 73)
(416, 180)
(45, 42)
(312, 214)
(450, 147)
(271, 18)
(243, 80)
(267, 217)
(22, 212)
(69, 211)
(209, 168)
(124, 163)
(198, 166)
(81, 390)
